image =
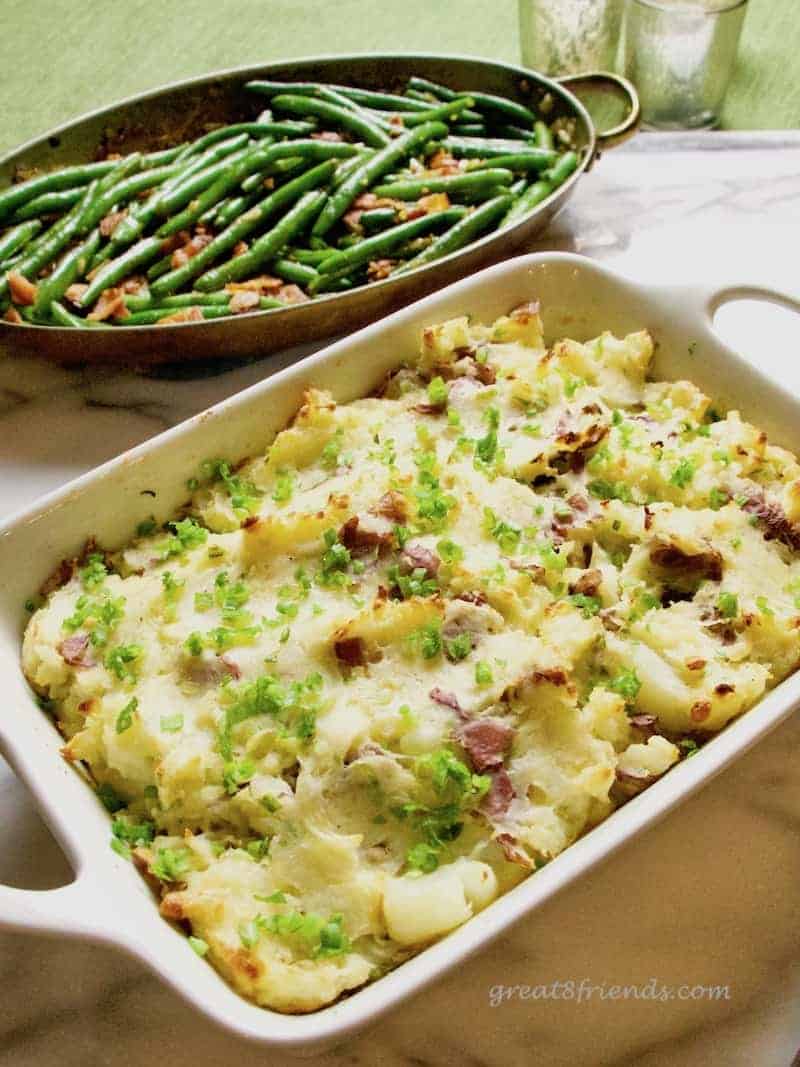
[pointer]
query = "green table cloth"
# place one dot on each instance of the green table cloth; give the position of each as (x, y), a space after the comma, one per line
(60, 58)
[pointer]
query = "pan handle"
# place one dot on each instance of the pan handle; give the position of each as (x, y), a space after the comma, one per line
(75, 910)
(605, 81)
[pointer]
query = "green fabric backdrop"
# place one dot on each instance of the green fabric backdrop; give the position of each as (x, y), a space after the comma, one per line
(59, 58)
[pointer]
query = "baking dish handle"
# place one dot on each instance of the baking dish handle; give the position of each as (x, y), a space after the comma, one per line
(713, 297)
(602, 81)
(74, 910)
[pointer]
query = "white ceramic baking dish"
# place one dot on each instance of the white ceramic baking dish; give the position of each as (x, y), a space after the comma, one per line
(108, 901)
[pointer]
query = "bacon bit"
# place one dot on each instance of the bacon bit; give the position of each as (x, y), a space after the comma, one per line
(250, 521)
(525, 312)
(700, 710)
(580, 439)
(13, 316)
(175, 240)
(428, 409)
(240, 248)
(359, 537)
(553, 675)
(352, 220)
(534, 570)
(192, 314)
(695, 664)
(588, 583)
(645, 723)
(86, 706)
(264, 285)
(416, 556)
(671, 556)
(486, 741)
(434, 202)
(111, 221)
(512, 852)
(724, 688)
(632, 784)
(446, 699)
(350, 651)
(485, 374)
(326, 135)
(392, 505)
(22, 291)
(648, 517)
(233, 668)
(292, 294)
(591, 409)
(380, 268)
(473, 596)
(578, 502)
(59, 578)
(244, 300)
(76, 651)
(110, 303)
(772, 519)
(609, 620)
(501, 792)
(134, 284)
(444, 163)
(368, 201)
(181, 256)
(171, 907)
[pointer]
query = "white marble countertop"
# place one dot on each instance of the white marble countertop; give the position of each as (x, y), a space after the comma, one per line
(708, 897)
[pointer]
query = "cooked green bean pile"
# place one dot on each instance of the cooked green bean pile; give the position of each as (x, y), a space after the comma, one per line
(331, 188)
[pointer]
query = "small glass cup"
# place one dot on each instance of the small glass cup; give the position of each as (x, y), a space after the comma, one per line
(680, 55)
(569, 36)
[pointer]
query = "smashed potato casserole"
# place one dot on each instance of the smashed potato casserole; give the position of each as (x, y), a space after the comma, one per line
(370, 681)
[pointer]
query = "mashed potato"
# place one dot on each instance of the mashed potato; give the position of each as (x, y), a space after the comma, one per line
(373, 679)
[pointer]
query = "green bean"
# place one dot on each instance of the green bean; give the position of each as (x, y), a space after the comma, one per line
(233, 208)
(348, 166)
(500, 105)
(455, 184)
(137, 302)
(239, 229)
(233, 169)
(18, 237)
(380, 101)
(490, 148)
(162, 157)
(463, 232)
(268, 88)
(50, 243)
(368, 132)
(516, 133)
(142, 215)
(537, 159)
(153, 316)
(188, 188)
(65, 178)
(311, 257)
(422, 97)
(267, 246)
(383, 243)
(252, 129)
(160, 267)
(372, 169)
(518, 187)
(539, 191)
(118, 269)
(48, 204)
(62, 317)
(543, 136)
(280, 168)
(108, 191)
(71, 266)
(299, 273)
(377, 219)
(456, 108)
(469, 129)
(308, 150)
